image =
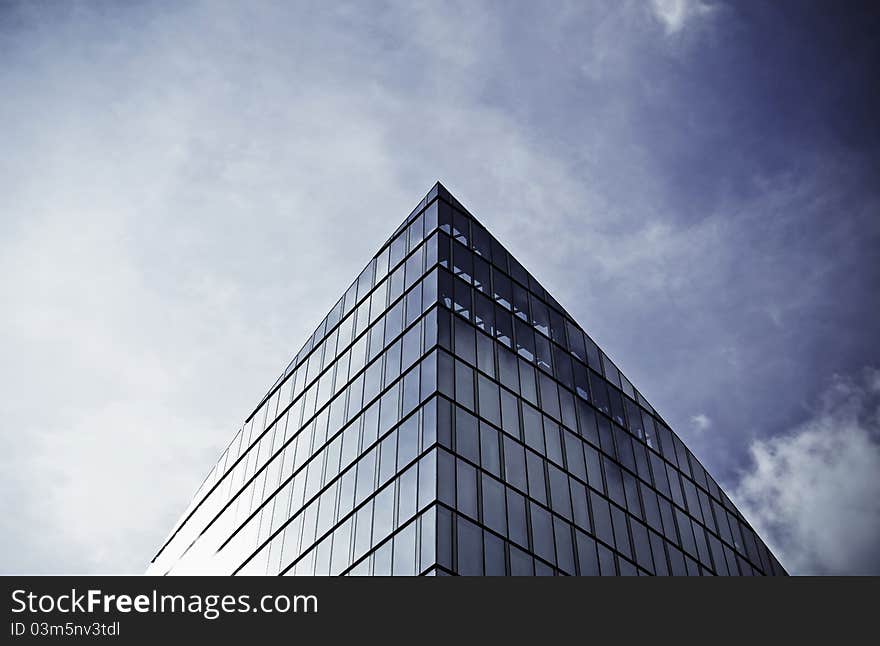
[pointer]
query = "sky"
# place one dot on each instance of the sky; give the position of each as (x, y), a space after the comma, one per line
(186, 188)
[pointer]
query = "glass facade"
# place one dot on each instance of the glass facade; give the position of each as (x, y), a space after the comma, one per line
(448, 416)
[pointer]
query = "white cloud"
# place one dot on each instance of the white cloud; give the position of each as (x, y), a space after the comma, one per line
(814, 493)
(675, 14)
(701, 422)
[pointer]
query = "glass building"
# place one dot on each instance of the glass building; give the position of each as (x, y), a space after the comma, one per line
(448, 416)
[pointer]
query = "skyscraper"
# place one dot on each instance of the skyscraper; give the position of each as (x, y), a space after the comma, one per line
(448, 416)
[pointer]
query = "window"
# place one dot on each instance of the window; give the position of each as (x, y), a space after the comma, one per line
(510, 413)
(581, 382)
(599, 390)
(346, 492)
(602, 518)
(414, 268)
(466, 489)
(413, 305)
(363, 530)
(659, 553)
(465, 342)
(560, 501)
(574, 454)
(490, 405)
(537, 485)
(461, 227)
(407, 441)
(518, 272)
(366, 471)
(542, 353)
(494, 555)
(482, 273)
(549, 395)
(462, 263)
(445, 287)
(521, 564)
(502, 289)
(464, 385)
(542, 532)
(446, 478)
(579, 505)
(503, 327)
(686, 533)
(528, 388)
(499, 255)
(392, 362)
(388, 411)
(445, 374)
(486, 355)
(470, 548)
(490, 458)
(398, 249)
(466, 438)
(525, 340)
(481, 241)
(427, 479)
(428, 369)
(410, 390)
(427, 547)
(652, 508)
(416, 231)
(521, 303)
(382, 560)
(533, 431)
(516, 518)
(406, 492)
(405, 551)
(484, 314)
(429, 424)
(383, 514)
(614, 481)
(564, 547)
(462, 297)
(514, 464)
(372, 380)
(387, 457)
(587, 556)
(540, 316)
(576, 341)
(493, 505)
(507, 370)
(621, 535)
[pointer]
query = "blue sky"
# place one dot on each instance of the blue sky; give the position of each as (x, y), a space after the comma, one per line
(186, 188)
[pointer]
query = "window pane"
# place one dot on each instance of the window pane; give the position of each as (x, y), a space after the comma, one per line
(466, 438)
(493, 505)
(516, 518)
(514, 464)
(537, 486)
(564, 547)
(494, 555)
(464, 385)
(490, 457)
(470, 548)
(587, 557)
(466, 490)
(542, 533)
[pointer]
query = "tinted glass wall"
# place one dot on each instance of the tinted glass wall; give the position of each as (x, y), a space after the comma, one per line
(449, 417)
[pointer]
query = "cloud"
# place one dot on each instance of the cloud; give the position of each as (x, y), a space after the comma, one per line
(675, 14)
(814, 493)
(701, 422)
